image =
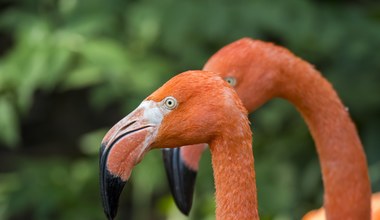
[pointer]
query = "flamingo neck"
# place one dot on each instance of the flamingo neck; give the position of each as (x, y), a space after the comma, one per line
(343, 162)
(235, 184)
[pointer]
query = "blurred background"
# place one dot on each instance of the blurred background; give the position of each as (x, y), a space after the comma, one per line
(70, 69)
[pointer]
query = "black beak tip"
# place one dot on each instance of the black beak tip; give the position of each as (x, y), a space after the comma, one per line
(181, 179)
(109, 216)
(110, 186)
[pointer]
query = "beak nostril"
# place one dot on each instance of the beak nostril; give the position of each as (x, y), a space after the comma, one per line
(116, 139)
(127, 125)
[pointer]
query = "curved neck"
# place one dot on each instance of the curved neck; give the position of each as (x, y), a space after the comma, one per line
(343, 162)
(235, 183)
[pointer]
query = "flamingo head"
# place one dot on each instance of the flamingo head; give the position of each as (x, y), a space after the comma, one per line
(191, 108)
(252, 67)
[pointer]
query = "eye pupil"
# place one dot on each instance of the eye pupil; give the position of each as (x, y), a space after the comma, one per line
(230, 80)
(170, 103)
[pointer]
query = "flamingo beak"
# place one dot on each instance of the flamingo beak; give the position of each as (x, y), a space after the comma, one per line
(122, 148)
(181, 179)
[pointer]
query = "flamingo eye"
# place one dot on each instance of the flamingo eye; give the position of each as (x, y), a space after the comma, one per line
(230, 80)
(170, 103)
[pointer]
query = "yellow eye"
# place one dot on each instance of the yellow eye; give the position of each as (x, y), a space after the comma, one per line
(230, 80)
(170, 103)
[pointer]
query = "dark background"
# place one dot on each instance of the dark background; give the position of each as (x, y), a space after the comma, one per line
(70, 69)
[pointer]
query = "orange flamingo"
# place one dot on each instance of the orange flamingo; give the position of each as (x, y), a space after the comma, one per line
(260, 71)
(193, 107)
(319, 214)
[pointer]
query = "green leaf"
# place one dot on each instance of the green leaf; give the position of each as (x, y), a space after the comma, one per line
(82, 77)
(106, 54)
(9, 130)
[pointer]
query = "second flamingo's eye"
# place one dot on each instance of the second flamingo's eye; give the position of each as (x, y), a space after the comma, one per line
(170, 103)
(230, 80)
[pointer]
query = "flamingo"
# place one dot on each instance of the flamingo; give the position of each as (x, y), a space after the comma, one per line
(319, 214)
(260, 71)
(193, 107)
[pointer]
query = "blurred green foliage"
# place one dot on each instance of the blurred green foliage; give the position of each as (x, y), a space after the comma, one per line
(69, 69)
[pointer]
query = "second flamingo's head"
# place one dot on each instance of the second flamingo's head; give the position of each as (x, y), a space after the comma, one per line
(257, 70)
(191, 108)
